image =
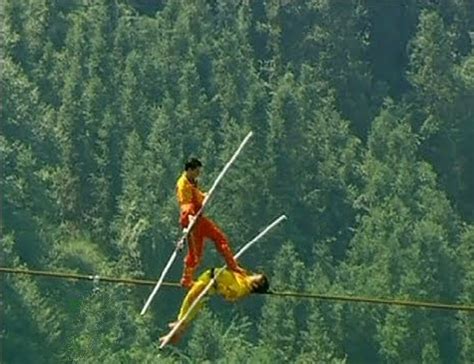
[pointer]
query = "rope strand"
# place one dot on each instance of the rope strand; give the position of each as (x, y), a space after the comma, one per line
(143, 282)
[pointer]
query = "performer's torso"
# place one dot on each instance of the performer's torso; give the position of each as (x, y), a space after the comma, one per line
(229, 284)
(188, 192)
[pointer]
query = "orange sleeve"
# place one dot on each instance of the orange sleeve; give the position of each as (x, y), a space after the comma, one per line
(201, 196)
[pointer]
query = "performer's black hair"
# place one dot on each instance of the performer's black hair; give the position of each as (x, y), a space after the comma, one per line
(192, 163)
(263, 285)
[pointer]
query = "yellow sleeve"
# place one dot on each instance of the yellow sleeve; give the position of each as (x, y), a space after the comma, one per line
(184, 192)
(193, 293)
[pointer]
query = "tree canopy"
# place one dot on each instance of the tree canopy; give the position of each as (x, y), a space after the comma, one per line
(363, 121)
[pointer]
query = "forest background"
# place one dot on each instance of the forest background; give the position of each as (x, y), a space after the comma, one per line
(363, 114)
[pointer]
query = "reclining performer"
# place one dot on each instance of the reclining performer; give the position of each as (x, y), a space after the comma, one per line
(231, 285)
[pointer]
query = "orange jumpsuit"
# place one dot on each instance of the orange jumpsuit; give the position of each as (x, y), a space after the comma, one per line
(190, 199)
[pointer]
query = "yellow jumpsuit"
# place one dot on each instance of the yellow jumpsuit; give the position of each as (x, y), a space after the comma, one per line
(229, 284)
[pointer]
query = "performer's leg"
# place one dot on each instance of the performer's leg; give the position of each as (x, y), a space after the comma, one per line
(212, 231)
(193, 258)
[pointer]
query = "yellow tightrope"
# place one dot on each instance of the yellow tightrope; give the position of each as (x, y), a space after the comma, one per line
(144, 282)
(89, 277)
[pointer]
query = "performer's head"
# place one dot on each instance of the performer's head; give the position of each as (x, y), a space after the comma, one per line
(260, 283)
(193, 168)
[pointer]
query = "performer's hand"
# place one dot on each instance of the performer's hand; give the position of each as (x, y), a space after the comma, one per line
(190, 219)
(180, 244)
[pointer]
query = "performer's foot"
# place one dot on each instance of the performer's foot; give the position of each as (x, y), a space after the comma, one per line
(238, 269)
(177, 335)
(186, 281)
(174, 340)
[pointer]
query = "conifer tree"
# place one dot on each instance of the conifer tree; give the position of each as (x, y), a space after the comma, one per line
(404, 247)
(281, 323)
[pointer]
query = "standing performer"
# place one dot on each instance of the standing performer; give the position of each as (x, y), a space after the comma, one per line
(230, 285)
(190, 200)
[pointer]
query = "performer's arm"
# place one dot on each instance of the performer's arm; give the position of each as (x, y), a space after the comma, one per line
(187, 207)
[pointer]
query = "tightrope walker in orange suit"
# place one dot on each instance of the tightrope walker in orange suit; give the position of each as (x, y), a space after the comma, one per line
(190, 200)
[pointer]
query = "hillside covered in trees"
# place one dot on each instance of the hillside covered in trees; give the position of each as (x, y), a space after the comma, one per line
(363, 121)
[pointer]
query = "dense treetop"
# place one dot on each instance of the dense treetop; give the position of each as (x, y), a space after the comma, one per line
(363, 114)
